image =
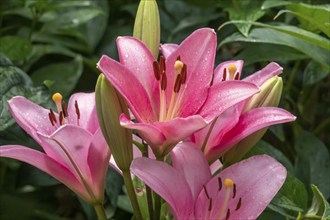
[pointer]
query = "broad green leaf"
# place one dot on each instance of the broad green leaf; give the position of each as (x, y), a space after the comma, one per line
(65, 75)
(312, 17)
(14, 82)
(254, 53)
(248, 10)
(320, 208)
(265, 35)
(273, 3)
(72, 18)
(291, 199)
(314, 72)
(313, 162)
(15, 48)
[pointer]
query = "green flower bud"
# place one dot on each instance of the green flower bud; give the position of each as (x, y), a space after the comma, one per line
(110, 105)
(269, 95)
(147, 25)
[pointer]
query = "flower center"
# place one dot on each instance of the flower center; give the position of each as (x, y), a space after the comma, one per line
(62, 111)
(229, 193)
(230, 73)
(180, 68)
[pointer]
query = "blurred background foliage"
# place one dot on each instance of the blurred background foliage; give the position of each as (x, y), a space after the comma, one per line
(53, 45)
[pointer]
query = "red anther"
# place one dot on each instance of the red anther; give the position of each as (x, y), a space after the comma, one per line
(164, 81)
(156, 70)
(77, 109)
(228, 214)
(65, 110)
(206, 193)
(51, 119)
(234, 190)
(177, 84)
(238, 206)
(52, 115)
(178, 58)
(60, 118)
(236, 76)
(219, 184)
(162, 65)
(224, 76)
(210, 205)
(183, 74)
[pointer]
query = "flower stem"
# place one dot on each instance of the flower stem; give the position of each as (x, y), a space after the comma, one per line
(157, 198)
(145, 153)
(132, 195)
(100, 211)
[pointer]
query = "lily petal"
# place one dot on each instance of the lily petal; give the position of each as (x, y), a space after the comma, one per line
(98, 159)
(199, 58)
(249, 123)
(257, 181)
(190, 161)
(167, 49)
(136, 57)
(31, 117)
(71, 144)
(224, 95)
(88, 116)
(259, 77)
(219, 70)
(136, 96)
(167, 182)
(46, 164)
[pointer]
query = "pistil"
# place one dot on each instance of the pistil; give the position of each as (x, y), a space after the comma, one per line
(229, 184)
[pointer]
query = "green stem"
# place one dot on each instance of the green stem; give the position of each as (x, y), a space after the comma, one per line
(148, 190)
(132, 195)
(157, 198)
(100, 211)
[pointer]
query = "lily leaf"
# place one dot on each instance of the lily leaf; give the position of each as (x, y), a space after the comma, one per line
(320, 208)
(15, 48)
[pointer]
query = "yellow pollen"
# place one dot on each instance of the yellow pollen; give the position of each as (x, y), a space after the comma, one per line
(178, 65)
(232, 69)
(57, 97)
(228, 183)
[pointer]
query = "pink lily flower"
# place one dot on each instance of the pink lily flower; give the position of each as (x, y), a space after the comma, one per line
(235, 124)
(241, 191)
(173, 98)
(75, 151)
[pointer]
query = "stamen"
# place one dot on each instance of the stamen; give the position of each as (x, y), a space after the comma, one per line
(206, 193)
(238, 206)
(232, 70)
(51, 119)
(210, 205)
(224, 75)
(162, 65)
(178, 58)
(52, 115)
(219, 183)
(228, 214)
(65, 110)
(156, 70)
(183, 74)
(236, 76)
(57, 98)
(60, 118)
(164, 82)
(177, 84)
(77, 111)
(234, 190)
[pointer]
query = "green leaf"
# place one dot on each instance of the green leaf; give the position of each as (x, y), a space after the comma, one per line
(113, 187)
(15, 48)
(320, 208)
(14, 82)
(291, 199)
(65, 75)
(265, 35)
(314, 72)
(248, 10)
(273, 3)
(313, 162)
(312, 17)
(72, 18)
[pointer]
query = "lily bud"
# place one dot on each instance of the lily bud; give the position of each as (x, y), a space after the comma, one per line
(147, 25)
(270, 95)
(110, 105)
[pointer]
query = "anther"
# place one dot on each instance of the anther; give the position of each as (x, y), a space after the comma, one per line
(178, 58)
(60, 118)
(210, 205)
(77, 109)
(51, 119)
(206, 193)
(228, 214)
(52, 115)
(234, 190)
(219, 183)
(183, 74)
(236, 76)
(224, 75)
(162, 65)
(156, 70)
(238, 206)
(164, 82)
(65, 110)
(177, 84)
